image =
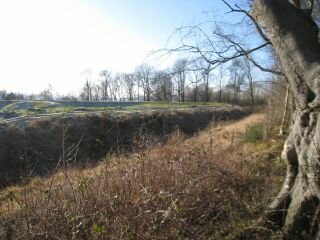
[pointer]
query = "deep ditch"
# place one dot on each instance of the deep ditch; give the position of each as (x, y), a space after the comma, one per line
(40, 146)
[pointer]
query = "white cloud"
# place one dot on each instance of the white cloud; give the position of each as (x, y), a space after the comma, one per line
(53, 41)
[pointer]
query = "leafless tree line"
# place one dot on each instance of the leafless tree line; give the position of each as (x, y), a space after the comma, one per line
(185, 81)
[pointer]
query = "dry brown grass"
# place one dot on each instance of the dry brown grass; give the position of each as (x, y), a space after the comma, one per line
(185, 189)
(34, 148)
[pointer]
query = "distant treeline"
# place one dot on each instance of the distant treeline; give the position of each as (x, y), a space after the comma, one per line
(183, 82)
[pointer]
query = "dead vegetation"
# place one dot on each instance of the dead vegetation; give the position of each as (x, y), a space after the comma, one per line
(210, 186)
(36, 148)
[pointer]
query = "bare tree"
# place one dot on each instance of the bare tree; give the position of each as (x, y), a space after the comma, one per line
(129, 84)
(87, 89)
(220, 79)
(162, 86)
(47, 94)
(206, 78)
(285, 112)
(237, 78)
(105, 84)
(180, 72)
(115, 87)
(194, 82)
(144, 75)
(86, 93)
(204, 68)
(96, 92)
(247, 69)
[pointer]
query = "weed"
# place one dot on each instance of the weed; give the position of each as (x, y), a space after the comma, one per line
(253, 133)
(35, 146)
(172, 191)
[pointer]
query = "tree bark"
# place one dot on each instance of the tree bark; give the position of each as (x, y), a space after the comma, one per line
(297, 207)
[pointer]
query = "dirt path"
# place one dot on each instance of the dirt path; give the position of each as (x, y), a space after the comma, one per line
(225, 134)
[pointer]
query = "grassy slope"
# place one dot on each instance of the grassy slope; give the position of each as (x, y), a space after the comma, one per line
(42, 107)
(211, 186)
(88, 137)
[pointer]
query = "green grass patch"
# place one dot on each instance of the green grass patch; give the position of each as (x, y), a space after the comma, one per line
(177, 105)
(254, 133)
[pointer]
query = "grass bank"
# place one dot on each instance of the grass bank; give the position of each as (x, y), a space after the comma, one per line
(10, 109)
(39, 146)
(213, 185)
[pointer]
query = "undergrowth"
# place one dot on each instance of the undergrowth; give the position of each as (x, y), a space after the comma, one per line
(254, 133)
(173, 191)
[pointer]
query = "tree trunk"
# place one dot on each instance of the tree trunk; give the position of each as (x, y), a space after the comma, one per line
(285, 112)
(297, 207)
(206, 87)
(251, 89)
(220, 92)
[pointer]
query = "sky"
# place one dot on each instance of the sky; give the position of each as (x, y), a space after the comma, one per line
(55, 42)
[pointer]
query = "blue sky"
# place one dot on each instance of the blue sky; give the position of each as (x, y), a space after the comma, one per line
(54, 41)
(154, 19)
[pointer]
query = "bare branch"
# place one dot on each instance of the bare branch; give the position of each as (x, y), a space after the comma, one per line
(239, 54)
(258, 28)
(242, 50)
(265, 69)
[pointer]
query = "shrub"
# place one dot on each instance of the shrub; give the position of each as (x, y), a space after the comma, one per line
(254, 133)
(177, 190)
